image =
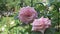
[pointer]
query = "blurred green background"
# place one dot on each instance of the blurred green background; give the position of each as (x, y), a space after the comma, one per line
(9, 22)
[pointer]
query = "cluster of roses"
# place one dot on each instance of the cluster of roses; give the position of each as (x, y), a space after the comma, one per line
(29, 14)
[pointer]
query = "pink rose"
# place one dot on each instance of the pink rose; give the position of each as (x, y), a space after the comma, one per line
(27, 14)
(41, 24)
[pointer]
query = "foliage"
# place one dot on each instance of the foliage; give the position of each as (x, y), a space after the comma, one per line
(12, 25)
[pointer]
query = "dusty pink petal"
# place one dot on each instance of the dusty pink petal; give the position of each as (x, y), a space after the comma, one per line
(41, 24)
(27, 14)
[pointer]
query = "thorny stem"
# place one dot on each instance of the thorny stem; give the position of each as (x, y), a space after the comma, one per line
(31, 3)
(21, 3)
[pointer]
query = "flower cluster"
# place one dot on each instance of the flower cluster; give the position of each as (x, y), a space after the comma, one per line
(28, 14)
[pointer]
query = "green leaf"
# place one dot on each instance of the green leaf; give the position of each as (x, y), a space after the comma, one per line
(36, 32)
(50, 31)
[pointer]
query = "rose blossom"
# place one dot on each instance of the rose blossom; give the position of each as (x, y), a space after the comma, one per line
(27, 14)
(41, 24)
